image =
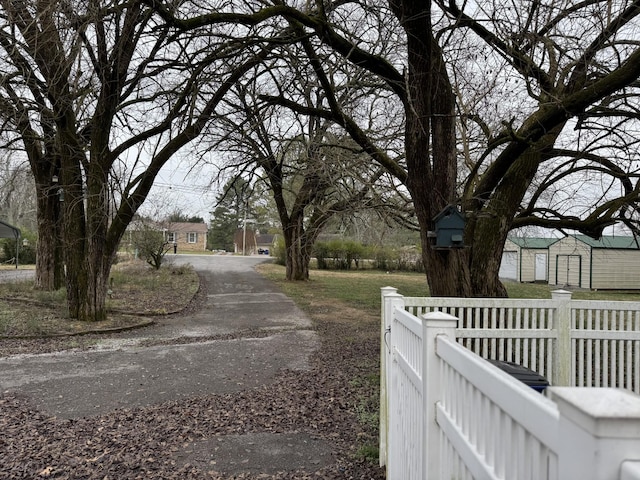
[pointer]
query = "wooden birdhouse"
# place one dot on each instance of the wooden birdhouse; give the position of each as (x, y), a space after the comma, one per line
(449, 228)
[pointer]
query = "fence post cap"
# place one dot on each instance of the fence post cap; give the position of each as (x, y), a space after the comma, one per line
(603, 412)
(561, 295)
(630, 470)
(440, 319)
(386, 290)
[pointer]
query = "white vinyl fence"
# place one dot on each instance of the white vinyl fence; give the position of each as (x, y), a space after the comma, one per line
(580, 343)
(448, 414)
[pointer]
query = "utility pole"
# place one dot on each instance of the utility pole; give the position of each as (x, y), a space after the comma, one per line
(244, 233)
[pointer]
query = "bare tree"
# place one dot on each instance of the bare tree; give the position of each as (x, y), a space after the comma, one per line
(17, 199)
(150, 241)
(557, 71)
(35, 134)
(312, 170)
(116, 93)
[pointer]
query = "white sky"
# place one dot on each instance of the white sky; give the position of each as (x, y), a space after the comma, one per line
(177, 189)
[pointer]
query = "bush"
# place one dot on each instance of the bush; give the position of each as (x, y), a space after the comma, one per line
(339, 254)
(151, 245)
(407, 259)
(353, 253)
(321, 252)
(26, 251)
(279, 251)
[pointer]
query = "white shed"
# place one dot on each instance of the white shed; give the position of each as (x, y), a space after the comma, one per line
(526, 259)
(611, 262)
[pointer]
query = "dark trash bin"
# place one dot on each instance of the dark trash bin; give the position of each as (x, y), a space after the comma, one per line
(524, 374)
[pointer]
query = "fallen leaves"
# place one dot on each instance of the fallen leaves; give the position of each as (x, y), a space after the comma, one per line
(152, 442)
(46, 472)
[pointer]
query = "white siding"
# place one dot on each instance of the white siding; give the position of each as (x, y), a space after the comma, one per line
(528, 263)
(508, 263)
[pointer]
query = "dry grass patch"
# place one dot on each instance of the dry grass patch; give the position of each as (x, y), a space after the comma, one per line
(136, 291)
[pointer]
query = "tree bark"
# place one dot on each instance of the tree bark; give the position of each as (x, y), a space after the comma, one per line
(430, 145)
(298, 250)
(49, 266)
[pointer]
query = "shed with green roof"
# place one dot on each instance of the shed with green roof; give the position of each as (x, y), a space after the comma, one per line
(526, 259)
(607, 263)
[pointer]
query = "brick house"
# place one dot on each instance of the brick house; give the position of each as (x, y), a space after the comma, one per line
(187, 237)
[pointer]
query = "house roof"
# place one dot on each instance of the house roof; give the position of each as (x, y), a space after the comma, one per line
(533, 242)
(187, 227)
(610, 241)
(8, 231)
(264, 239)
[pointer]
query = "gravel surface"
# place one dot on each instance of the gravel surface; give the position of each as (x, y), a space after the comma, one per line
(331, 406)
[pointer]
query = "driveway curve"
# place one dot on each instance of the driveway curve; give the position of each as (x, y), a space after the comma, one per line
(244, 334)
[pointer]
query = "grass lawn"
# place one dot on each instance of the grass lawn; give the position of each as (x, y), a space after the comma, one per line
(4, 266)
(361, 288)
(136, 288)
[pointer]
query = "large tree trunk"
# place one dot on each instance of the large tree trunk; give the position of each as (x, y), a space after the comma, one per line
(298, 250)
(89, 253)
(88, 260)
(49, 264)
(430, 145)
(83, 254)
(75, 251)
(430, 130)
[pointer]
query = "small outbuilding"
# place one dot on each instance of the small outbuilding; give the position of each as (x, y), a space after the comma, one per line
(610, 262)
(526, 259)
(9, 231)
(265, 242)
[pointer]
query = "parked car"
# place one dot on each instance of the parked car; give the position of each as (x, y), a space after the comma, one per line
(263, 251)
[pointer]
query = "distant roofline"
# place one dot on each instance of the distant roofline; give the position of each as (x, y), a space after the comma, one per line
(610, 242)
(534, 242)
(5, 227)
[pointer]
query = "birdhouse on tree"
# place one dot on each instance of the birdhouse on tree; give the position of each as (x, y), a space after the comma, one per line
(449, 228)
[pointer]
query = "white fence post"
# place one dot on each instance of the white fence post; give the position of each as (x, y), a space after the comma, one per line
(630, 470)
(433, 325)
(390, 299)
(599, 429)
(562, 360)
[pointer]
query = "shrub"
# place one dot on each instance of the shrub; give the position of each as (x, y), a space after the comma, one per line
(151, 245)
(26, 250)
(406, 259)
(321, 252)
(339, 254)
(279, 251)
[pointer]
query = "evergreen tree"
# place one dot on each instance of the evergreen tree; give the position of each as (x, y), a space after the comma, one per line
(233, 204)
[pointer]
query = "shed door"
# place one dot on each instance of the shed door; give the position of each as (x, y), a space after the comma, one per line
(568, 270)
(509, 266)
(541, 267)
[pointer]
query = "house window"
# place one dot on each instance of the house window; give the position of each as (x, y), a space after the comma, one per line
(192, 237)
(172, 237)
